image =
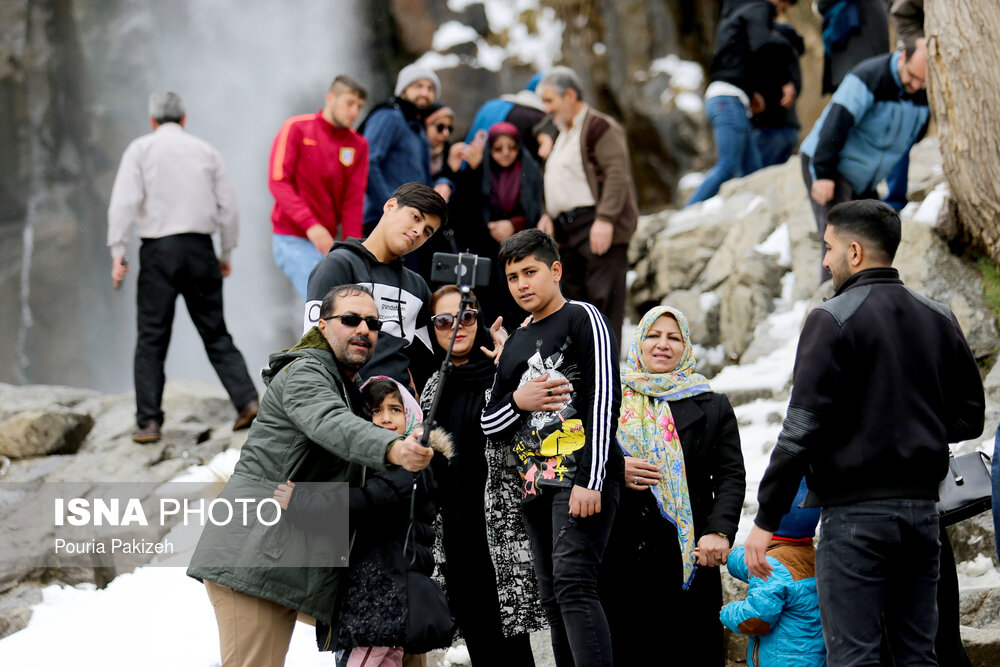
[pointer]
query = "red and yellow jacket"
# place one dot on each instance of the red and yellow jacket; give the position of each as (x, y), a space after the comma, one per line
(318, 176)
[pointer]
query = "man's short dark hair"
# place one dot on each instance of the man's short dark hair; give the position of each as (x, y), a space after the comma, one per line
(377, 391)
(423, 198)
(339, 292)
(348, 83)
(910, 47)
(870, 219)
(528, 243)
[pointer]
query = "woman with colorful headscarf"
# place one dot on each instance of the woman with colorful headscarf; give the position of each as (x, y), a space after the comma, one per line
(494, 198)
(681, 503)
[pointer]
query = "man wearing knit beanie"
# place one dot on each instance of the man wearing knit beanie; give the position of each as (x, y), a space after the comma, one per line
(399, 151)
(417, 73)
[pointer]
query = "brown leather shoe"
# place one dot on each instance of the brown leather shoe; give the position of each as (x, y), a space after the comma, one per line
(147, 434)
(246, 415)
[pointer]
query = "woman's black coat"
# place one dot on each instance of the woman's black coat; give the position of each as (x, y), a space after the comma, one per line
(642, 569)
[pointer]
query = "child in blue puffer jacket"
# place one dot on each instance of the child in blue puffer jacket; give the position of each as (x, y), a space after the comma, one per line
(781, 615)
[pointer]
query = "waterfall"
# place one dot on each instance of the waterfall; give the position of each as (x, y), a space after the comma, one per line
(242, 68)
(28, 248)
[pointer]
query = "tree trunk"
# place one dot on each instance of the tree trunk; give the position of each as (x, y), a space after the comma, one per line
(964, 91)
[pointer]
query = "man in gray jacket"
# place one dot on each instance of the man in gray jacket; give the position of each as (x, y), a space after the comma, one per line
(306, 431)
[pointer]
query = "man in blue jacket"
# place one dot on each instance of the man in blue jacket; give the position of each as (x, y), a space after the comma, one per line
(877, 113)
(399, 151)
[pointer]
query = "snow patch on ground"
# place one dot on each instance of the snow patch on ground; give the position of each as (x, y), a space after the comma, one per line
(686, 80)
(772, 372)
(931, 206)
(137, 620)
(457, 655)
(218, 469)
(684, 74)
(978, 573)
(778, 244)
(691, 180)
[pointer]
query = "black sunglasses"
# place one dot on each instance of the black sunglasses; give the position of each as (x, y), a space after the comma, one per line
(441, 127)
(353, 320)
(446, 321)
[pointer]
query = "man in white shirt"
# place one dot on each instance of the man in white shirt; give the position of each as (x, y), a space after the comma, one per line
(590, 204)
(174, 187)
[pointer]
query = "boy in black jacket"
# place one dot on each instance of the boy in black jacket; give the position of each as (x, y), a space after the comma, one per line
(409, 218)
(555, 399)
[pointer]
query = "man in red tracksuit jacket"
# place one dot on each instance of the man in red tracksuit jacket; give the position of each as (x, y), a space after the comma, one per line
(318, 176)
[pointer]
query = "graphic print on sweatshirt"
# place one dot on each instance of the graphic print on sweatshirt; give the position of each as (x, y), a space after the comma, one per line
(543, 441)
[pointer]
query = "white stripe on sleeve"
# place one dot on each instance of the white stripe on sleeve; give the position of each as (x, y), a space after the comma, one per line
(600, 426)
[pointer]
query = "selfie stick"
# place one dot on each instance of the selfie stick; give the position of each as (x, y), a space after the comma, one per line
(465, 289)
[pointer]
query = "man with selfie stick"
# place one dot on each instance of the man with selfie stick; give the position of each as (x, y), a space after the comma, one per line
(308, 432)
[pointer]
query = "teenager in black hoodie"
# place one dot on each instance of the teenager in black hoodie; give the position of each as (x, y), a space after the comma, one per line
(404, 353)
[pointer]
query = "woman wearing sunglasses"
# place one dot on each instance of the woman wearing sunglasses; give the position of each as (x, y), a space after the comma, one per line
(494, 198)
(440, 126)
(474, 587)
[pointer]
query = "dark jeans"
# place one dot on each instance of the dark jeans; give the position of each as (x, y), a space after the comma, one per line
(775, 144)
(842, 191)
(897, 181)
(948, 644)
(184, 265)
(877, 567)
(567, 552)
(596, 279)
(734, 142)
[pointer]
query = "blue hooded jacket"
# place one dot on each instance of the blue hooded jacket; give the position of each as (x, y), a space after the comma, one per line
(781, 615)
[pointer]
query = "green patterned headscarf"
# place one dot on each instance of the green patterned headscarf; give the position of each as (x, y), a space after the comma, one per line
(646, 427)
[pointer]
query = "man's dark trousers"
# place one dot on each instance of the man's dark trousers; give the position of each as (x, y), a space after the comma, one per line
(879, 559)
(182, 265)
(596, 279)
(567, 552)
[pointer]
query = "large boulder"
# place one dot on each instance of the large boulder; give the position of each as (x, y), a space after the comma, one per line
(43, 432)
(15, 398)
(982, 646)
